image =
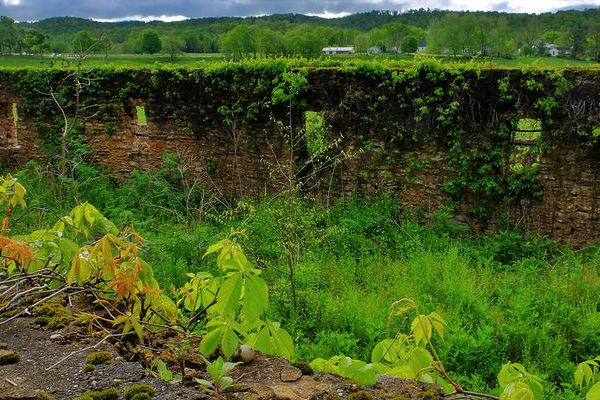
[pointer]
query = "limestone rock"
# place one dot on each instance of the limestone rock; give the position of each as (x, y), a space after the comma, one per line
(9, 357)
(290, 374)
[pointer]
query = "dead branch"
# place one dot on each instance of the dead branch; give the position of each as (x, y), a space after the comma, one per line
(71, 354)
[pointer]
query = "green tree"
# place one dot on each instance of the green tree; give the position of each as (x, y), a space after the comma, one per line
(409, 44)
(304, 40)
(593, 42)
(150, 43)
(9, 35)
(83, 43)
(35, 41)
(192, 42)
(270, 43)
(529, 37)
(105, 44)
(361, 43)
(173, 46)
(240, 42)
(576, 36)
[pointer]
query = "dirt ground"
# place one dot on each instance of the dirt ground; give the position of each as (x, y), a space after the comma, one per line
(264, 378)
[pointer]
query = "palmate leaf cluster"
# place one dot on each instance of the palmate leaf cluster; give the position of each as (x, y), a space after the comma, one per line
(239, 298)
(86, 250)
(404, 356)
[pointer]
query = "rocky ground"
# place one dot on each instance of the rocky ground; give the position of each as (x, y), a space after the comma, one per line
(263, 378)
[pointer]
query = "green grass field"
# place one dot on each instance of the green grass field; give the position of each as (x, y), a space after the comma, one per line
(197, 60)
(114, 59)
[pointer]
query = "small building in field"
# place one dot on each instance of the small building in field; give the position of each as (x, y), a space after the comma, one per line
(338, 50)
(552, 49)
(374, 50)
(422, 46)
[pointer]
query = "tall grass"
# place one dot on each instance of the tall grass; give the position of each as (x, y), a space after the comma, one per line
(505, 297)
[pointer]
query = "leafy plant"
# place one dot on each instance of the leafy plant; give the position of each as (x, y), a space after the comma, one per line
(518, 384)
(217, 370)
(166, 374)
(239, 299)
(586, 373)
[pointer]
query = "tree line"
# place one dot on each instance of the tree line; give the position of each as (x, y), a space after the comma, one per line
(496, 34)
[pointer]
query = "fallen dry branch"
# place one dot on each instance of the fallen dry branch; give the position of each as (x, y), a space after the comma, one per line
(95, 346)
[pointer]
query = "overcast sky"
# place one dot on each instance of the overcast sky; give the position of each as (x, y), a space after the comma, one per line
(29, 10)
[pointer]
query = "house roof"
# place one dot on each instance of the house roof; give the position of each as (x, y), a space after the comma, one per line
(338, 48)
(422, 43)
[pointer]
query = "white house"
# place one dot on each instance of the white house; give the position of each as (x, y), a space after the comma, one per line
(338, 50)
(552, 49)
(422, 46)
(374, 50)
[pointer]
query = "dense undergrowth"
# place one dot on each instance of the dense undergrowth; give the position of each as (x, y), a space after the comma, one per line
(504, 298)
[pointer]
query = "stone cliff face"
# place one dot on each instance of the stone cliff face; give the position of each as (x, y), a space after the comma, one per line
(240, 158)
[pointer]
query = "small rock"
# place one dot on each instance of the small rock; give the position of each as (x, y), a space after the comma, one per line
(244, 354)
(9, 357)
(3, 346)
(56, 336)
(290, 374)
(190, 374)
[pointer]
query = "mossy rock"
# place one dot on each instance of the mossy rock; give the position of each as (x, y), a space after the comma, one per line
(53, 315)
(88, 368)
(99, 357)
(44, 396)
(332, 396)
(9, 357)
(132, 392)
(106, 394)
(304, 367)
(361, 395)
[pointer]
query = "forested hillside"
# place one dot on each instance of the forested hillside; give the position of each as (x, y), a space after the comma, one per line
(498, 34)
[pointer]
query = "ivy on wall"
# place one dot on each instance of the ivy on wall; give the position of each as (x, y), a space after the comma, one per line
(471, 113)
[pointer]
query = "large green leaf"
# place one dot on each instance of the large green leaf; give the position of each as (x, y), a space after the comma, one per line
(584, 373)
(256, 297)
(517, 390)
(81, 269)
(594, 392)
(229, 342)
(391, 351)
(210, 341)
(420, 359)
(229, 294)
(274, 340)
(421, 329)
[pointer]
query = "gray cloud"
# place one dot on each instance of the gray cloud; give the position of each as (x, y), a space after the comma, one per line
(37, 9)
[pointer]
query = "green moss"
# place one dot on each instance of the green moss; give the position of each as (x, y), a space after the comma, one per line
(9, 357)
(361, 395)
(106, 394)
(88, 368)
(11, 313)
(332, 396)
(53, 315)
(132, 392)
(44, 396)
(99, 357)
(429, 394)
(141, 396)
(304, 367)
